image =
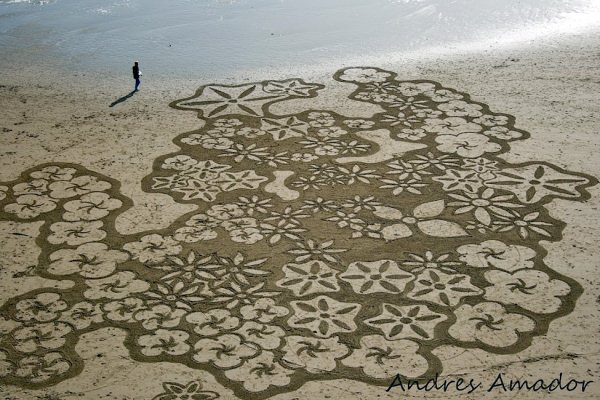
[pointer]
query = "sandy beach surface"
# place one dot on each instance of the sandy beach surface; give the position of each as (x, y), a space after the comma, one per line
(60, 109)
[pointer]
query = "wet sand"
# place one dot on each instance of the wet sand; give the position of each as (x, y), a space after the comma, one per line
(551, 87)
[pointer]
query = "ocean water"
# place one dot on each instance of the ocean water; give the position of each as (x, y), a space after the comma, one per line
(224, 36)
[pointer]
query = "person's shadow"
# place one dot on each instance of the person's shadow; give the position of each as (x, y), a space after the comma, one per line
(122, 99)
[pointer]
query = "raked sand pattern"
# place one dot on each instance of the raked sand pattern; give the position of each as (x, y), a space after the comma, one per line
(323, 247)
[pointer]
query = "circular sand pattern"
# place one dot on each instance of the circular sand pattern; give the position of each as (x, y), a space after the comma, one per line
(324, 246)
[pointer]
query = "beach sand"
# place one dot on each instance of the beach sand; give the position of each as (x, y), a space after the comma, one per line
(551, 87)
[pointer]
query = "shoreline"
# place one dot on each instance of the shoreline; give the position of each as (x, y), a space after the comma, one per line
(553, 90)
(511, 80)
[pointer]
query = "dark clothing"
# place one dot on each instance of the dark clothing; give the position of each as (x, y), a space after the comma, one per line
(136, 76)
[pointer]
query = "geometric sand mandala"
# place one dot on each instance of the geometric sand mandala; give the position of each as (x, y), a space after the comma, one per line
(323, 246)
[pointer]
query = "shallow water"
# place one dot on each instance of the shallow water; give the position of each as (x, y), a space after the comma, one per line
(221, 37)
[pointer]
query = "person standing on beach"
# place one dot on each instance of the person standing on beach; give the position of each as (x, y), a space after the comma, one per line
(136, 75)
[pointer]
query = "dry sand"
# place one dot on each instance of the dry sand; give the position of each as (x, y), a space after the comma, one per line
(551, 87)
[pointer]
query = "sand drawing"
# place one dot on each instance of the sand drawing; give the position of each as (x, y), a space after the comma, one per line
(323, 247)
